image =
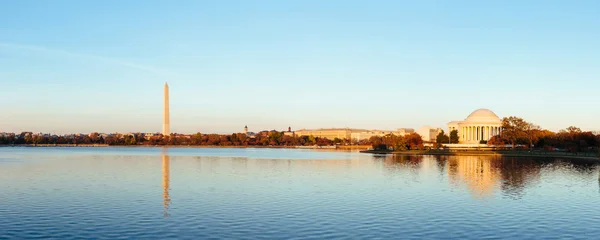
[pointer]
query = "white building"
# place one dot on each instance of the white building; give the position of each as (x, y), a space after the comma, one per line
(249, 134)
(149, 135)
(367, 134)
(428, 133)
(482, 124)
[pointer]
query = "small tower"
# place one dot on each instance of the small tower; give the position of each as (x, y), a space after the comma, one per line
(289, 129)
(246, 130)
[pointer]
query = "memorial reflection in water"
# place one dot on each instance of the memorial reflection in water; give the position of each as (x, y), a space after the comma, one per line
(485, 176)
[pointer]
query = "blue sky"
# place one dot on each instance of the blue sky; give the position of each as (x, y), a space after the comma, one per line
(82, 66)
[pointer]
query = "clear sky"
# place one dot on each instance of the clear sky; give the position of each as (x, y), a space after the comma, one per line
(82, 66)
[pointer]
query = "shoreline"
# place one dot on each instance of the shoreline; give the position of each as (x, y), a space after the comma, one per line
(350, 147)
(362, 149)
(487, 153)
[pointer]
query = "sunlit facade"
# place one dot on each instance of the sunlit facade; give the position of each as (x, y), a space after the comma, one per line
(350, 133)
(329, 133)
(482, 124)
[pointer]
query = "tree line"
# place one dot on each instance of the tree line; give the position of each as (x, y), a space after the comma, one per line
(390, 141)
(442, 138)
(264, 138)
(518, 132)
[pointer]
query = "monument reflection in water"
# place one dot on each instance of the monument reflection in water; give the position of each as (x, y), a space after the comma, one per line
(165, 181)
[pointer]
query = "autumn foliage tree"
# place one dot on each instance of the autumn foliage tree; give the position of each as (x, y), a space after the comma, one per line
(532, 133)
(414, 141)
(496, 141)
(514, 129)
(396, 142)
(571, 139)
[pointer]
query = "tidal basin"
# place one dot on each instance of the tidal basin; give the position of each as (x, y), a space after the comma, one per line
(220, 193)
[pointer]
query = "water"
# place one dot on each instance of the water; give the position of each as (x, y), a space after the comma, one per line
(188, 193)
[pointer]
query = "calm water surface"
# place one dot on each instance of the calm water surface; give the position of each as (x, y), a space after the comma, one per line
(187, 193)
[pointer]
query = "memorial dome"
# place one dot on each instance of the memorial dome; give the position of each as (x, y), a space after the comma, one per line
(483, 115)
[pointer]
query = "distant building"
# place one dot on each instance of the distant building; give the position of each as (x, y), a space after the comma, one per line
(366, 135)
(329, 133)
(289, 132)
(405, 131)
(149, 135)
(249, 134)
(428, 133)
(350, 133)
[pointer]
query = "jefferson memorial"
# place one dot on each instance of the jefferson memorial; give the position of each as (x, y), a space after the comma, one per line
(482, 124)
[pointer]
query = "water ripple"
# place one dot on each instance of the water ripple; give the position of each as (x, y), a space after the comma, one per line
(271, 194)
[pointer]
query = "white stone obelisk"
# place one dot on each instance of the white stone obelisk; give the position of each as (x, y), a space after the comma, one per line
(166, 121)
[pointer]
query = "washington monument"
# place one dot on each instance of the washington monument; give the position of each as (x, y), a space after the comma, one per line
(166, 124)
